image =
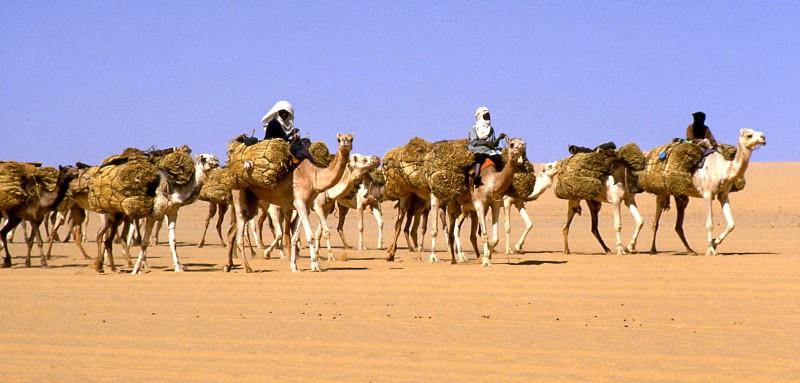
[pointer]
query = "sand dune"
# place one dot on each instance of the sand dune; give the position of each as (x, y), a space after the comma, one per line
(540, 316)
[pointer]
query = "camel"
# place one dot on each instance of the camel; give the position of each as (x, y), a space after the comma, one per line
(324, 203)
(406, 194)
(39, 203)
(543, 182)
(482, 198)
(169, 197)
(370, 194)
(620, 186)
(712, 181)
(297, 191)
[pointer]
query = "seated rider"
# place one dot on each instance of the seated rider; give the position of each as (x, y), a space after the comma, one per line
(279, 123)
(698, 130)
(482, 141)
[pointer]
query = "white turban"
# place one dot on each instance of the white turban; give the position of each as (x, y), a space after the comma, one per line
(287, 124)
(482, 127)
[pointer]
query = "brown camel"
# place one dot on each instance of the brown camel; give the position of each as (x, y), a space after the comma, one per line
(713, 180)
(38, 204)
(296, 192)
(482, 198)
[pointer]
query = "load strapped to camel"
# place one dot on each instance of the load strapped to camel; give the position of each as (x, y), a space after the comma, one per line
(217, 188)
(669, 167)
(402, 167)
(270, 161)
(581, 175)
(446, 166)
(524, 178)
(126, 183)
(322, 156)
(13, 184)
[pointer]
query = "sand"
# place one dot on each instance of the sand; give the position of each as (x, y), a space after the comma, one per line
(539, 316)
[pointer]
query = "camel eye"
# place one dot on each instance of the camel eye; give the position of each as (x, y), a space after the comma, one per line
(749, 136)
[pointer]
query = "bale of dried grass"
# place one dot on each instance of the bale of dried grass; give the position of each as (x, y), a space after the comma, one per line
(127, 188)
(322, 156)
(178, 164)
(672, 174)
(217, 188)
(729, 153)
(412, 159)
(632, 156)
(581, 175)
(46, 177)
(80, 185)
(446, 166)
(12, 185)
(524, 177)
(270, 159)
(402, 167)
(377, 177)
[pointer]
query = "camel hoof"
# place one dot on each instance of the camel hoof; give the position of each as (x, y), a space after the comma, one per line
(6, 265)
(27, 263)
(315, 266)
(433, 258)
(179, 269)
(226, 268)
(711, 251)
(485, 262)
(200, 245)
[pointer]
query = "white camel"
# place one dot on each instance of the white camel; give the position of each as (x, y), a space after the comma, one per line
(543, 182)
(714, 181)
(326, 201)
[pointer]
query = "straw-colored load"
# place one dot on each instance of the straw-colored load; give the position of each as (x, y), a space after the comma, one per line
(80, 185)
(12, 184)
(581, 175)
(632, 156)
(402, 167)
(669, 168)
(126, 188)
(178, 164)
(729, 152)
(446, 166)
(46, 177)
(217, 188)
(524, 178)
(270, 160)
(322, 156)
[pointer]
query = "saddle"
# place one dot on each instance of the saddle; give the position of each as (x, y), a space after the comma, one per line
(487, 163)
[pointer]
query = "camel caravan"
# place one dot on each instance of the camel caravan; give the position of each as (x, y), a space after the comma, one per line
(288, 182)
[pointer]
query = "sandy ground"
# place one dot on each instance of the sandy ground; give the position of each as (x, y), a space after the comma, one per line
(541, 316)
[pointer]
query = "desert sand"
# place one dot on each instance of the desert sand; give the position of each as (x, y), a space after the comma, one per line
(538, 316)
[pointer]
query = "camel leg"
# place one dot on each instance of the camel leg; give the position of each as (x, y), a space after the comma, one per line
(473, 232)
(507, 223)
(322, 229)
(8, 226)
(127, 241)
(40, 245)
(154, 236)
(495, 208)
(100, 241)
(402, 206)
(594, 209)
(434, 228)
(59, 220)
(212, 210)
(708, 200)
(340, 229)
(109, 241)
(523, 212)
(376, 212)
(276, 223)
(141, 261)
(223, 209)
(172, 221)
(638, 226)
(725, 202)
(76, 218)
(302, 214)
(409, 229)
(259, 233)
(680, 203)
(243, 206)
(661, 203)
(616, 206)
(457, 221)
(360, 209)
(480, 209)
(573, 207)
(29, 243)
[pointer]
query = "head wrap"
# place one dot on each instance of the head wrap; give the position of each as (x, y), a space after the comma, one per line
(482, 127)
(288, 123)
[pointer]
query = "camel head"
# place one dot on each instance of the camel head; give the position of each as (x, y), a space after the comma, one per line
(516, 150)
(549, 169)
(751, 139)
(207, 161)
(345, 141)
(66, 174)
(360, 164)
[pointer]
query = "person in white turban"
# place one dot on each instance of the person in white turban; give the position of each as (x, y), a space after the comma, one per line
(279, 123)
(482, 141)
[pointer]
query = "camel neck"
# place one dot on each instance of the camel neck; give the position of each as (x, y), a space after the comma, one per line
(344, 186)
(740, 162)
(48, 199)
(329, 176)
(502, 179)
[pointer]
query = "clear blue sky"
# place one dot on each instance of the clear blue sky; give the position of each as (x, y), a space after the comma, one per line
(80, 80)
